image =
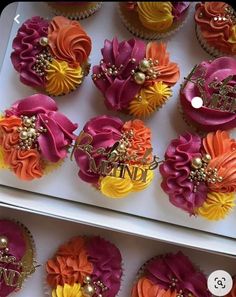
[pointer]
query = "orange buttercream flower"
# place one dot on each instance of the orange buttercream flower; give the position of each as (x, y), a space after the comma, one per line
(168, 72)
(222, 150)
(141, 140)
(26, 164)
(70, 265)
(68, 41)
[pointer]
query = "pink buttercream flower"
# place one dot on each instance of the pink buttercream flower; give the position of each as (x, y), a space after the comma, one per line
(176, 271)
(59, 134)
(175, 172)
(119, 89)
(105, 132)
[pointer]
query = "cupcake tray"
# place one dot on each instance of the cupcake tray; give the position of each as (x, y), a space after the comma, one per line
(87, 102)
(49, 233)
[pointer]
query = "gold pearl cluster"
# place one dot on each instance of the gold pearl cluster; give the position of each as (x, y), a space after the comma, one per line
(202, 173)
(28, 133)
(180, 293)
(90, 288)
(109, 69)
(120, 150)
(4, 243)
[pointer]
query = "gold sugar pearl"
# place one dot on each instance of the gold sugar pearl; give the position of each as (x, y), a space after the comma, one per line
(196, 163)
(3, 242)
(139, 78)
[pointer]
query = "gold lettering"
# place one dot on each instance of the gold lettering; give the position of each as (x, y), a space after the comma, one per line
(12, 278)
(127, 169)
(142, 177)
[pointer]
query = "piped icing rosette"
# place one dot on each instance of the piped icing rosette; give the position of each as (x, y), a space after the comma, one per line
(216, 27)
(34, 137)
(85, 267)
(51, 56)
(153, 20)
(135, 78)
(17, 256)
(199, 174)
(75, 10)
(114, 156)
(214, 82)
(170, 275)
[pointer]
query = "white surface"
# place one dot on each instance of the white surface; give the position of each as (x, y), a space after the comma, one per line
(87, 102)
(50, 233)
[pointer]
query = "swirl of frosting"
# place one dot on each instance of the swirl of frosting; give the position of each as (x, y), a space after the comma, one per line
(175, 171)
(217, 206)
(25, 48)
(215, 32)
(156, 16)
(68, 291)
(162, 270)
(62, 79)
(106, 260)
(222, 149)
(74, 248)
(105, 131)
(145, 288)
(59, 134)
(68, 41)
(25, 164)
(114, 187)
(232, 293)
(119, 89)
(139, 185)
(140, 141)
(207, 118)
(179, 9)
(168, 72)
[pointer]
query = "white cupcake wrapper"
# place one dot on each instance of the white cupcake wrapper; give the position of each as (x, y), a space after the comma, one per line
(152, 36)
(77, 15)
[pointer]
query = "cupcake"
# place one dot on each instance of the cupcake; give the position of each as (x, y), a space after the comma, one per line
(34, 137)
(75, 10)
(170, 275)
(153, 20)
(51, 56)
(135, 77)
(214, 82)
(85, 266)
(17, 256)
(216, 28)
(199, 174)
(115, 156)
(232, 293)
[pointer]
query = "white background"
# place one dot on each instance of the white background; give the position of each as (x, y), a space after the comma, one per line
(50, 233)
(87, 102)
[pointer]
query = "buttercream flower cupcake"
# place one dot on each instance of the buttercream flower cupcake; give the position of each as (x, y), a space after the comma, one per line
(85, 266)
(216, 28)
(214, 82)
(170, 275)
(135, 77)
(199, 174)
(232, 293)
(153, 20)
(51, 56)
(34, 137)
(17, 256)
(75, 10)
(115, 156)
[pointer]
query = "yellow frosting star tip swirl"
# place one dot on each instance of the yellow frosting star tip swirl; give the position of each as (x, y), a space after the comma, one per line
(3, 165)
(67, 291)
(217, 206)
(156, 16)
(140, 185)
(61, 79)
(149, 99)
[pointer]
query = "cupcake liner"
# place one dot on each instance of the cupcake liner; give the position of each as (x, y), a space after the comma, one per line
(76, 15)
(147, 34)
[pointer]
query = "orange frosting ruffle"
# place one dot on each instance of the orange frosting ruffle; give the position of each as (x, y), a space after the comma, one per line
(141, 140)
(25, 163)
(68, 41)
(168, 71)
(145, 288)
(216, 33)
(70, 265)
(222, 149)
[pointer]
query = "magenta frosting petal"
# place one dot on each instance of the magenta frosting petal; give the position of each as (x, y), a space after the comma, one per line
(175, 171)
(25, 48)
(179, 9)
(106, 260)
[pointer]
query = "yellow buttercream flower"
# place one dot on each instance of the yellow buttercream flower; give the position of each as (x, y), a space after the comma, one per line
(140, 185)
(149, 99)
(3, 165)
(68, 291)
(217, 206)
(232, 38)
(61, 78)
(156, 16)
